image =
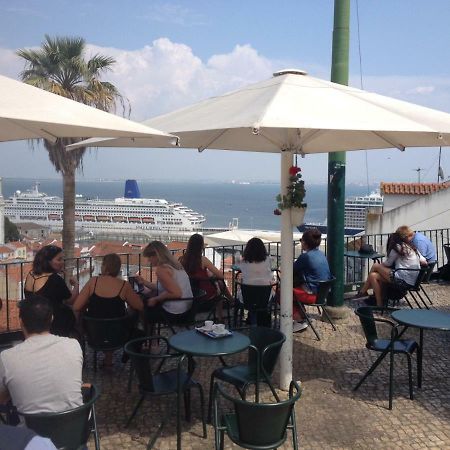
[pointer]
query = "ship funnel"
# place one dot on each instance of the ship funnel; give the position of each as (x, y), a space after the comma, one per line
(132, 189)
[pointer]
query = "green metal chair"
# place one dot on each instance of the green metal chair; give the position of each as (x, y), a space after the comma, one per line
(148, 363)
(395, 292)
(390, 346)
(107, 334)
(265, 347)
(258, 301)
(68, 430)
(259, 426)
(321, 301)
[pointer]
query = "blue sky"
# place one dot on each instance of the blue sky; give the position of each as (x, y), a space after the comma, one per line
(173, 53)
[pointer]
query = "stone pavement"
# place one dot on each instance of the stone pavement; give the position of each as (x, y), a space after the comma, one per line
(329, 414)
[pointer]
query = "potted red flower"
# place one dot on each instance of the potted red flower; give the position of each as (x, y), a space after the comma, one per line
(294, 198)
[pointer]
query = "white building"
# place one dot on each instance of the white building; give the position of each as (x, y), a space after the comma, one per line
(2, 215)
(422, 206)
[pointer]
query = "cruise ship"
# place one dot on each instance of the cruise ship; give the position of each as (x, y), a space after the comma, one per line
(355, 214)
(128, 213)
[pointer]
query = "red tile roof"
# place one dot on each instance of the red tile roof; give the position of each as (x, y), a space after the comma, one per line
(411, 188)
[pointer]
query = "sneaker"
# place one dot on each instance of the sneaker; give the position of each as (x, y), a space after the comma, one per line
(299, 326)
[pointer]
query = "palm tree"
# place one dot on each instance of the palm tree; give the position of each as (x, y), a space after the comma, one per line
(60, 67)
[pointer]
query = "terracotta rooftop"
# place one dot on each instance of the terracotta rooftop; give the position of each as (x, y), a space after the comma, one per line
(411, 188)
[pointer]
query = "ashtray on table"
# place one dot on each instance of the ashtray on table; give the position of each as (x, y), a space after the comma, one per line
(214, 334)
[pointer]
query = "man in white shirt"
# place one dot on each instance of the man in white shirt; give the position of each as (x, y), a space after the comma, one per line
(43, 373)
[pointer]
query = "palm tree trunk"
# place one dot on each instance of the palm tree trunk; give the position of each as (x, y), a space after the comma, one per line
(68, 234)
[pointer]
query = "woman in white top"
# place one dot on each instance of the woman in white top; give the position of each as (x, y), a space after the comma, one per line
(172, 286)
(255, 266)
(256, 270)
(401, 255)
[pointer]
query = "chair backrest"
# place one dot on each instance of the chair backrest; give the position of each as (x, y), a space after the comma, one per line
(256, 298)
(365, 314)
(69, 429)
(420, 277)
(323, 290)
(263, 424)
(268, 343)
(148, 358)
(430, 269)
(107, 334)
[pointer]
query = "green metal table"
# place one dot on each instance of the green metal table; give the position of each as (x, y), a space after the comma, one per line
(192, 343)
(423, 319)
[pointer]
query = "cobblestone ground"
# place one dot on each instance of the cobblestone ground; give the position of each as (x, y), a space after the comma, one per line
(329, 414)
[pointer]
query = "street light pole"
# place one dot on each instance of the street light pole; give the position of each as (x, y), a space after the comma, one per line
(337, 161)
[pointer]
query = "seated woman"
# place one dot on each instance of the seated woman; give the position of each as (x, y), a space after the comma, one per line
(401, 255)
(199, 269)
(256, 270)
(172, 287)
(309, 268)
(44, 280)
(106, 296)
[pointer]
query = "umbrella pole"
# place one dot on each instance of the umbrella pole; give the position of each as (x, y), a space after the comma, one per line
(287, 258)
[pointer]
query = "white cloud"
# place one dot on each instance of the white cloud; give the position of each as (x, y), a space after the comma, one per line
(167, 75)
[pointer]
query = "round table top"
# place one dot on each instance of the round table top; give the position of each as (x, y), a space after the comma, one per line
(423, 318)
(356, 254)
(191, 342)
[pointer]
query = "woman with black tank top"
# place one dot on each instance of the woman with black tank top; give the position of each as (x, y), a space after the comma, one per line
(44, 280)
(106, 296)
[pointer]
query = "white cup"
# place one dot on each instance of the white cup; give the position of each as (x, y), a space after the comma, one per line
(209, 324)
(219, 328)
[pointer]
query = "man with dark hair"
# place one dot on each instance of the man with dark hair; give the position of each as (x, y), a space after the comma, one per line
(43, 373)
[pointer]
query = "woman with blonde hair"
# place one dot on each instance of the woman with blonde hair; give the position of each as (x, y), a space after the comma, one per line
(172, 284)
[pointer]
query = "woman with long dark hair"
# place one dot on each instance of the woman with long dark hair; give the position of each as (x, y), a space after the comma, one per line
(45, 280)
(402, 254)
(200, 269)
(255, 265)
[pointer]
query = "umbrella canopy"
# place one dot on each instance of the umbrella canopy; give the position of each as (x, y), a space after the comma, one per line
(295, 113)
(27, 112)
(306, 114)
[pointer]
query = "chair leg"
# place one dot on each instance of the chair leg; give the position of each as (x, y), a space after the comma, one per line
(202, 407)
(130, 376)
(426, 295)
(422, 299)
(309, 321)
(391, 379)
(370, 371)
(294, 430)
(415, 299)
(324, 311)
(135, 410)
(410, 380)
(210, 400)
(95, 429)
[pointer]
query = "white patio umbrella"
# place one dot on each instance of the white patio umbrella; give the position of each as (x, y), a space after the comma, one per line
(295, 113)
(27, 112)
